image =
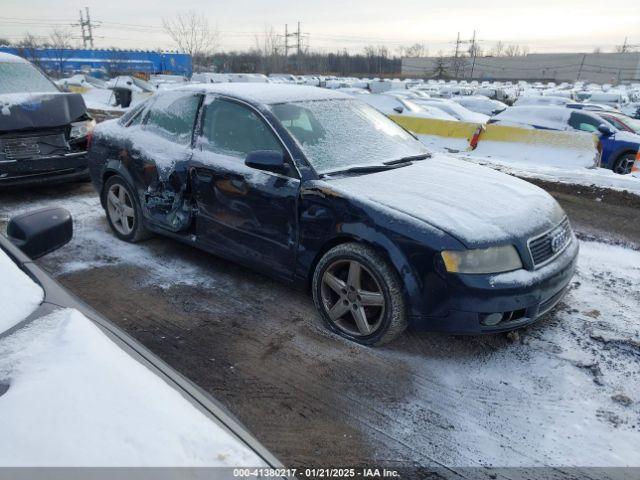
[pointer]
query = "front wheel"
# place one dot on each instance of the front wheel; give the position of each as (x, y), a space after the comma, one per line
(359, 295)
(624, 163)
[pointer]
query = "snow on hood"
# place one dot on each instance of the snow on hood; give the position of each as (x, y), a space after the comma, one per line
(75, 398)
(627, 137)
(19, 295)
(475, 204)
(39, 110)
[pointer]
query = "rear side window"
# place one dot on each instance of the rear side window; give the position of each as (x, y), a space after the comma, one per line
(173, 116)
(233, 129)
(584, 123)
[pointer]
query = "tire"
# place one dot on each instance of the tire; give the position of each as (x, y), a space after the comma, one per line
(624, 163)
(134, 231)
(337, 297)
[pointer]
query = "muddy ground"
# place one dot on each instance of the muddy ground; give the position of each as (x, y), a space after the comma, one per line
(557, 394)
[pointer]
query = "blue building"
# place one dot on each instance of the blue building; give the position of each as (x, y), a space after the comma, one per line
(111, 62)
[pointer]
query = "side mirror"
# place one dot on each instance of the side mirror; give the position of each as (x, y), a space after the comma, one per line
(267, 160)
(605, 130)
(398, 109)
(41, 231)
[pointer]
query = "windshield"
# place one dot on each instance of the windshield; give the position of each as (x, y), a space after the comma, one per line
(632, 123)
(23, 78)
(339, 134)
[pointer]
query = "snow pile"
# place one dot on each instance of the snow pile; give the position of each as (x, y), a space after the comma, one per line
(600, 177)
(530, 157)
(19, 295)
(77, 399)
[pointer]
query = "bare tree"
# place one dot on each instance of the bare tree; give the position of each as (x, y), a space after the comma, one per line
(270, 45)
(498, 49)
(597, 50)
(512, 51)
(415, 50)
(5, 41)
(60, 48)
(28, 49)
(440, 70)
(192, 34)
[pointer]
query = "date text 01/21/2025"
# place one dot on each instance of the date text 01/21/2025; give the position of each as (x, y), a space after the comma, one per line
(311, 473)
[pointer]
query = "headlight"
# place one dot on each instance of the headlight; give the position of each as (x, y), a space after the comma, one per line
(82, 129)
(482, 260)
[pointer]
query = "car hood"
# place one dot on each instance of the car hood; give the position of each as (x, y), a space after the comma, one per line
(25, 111)
(627, 137)
(475, 204)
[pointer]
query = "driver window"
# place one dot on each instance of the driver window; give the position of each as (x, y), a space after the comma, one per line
(232, 129)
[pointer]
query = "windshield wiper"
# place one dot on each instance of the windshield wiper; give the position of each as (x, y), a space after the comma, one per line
(413, 158)
(366, 169)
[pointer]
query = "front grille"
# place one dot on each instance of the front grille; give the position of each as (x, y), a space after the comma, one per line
(20, 148)
(549, 245)
(35, 146)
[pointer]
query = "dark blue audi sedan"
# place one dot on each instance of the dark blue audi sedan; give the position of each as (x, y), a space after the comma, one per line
(321, 191)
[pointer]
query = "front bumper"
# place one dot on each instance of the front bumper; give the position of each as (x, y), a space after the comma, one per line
(522, 297)
(53, 169)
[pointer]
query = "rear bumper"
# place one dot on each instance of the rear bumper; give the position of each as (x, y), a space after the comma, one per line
(55, 169)
(522, 297)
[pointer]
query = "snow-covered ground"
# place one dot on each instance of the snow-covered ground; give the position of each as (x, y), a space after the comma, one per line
(104, 99)
(536, 162)
(599, 177)
(565, 393)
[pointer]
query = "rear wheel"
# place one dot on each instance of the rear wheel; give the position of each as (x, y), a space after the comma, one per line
(624, 163)
(359, 295)
(123, 211)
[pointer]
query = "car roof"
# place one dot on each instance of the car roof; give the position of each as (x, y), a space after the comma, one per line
(268, 93)
(10, 58)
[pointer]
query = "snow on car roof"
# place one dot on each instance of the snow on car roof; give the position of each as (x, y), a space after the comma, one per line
(543, 116)
(268, 93)
(9, 58)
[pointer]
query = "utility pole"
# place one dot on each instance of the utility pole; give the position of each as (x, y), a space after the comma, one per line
(455, 57)
(87, 29)
(286, 41)
(475, 52)
(297, 45)
(581, 65)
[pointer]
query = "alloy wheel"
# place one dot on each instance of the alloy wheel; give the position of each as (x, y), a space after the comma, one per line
(120, 208)
(624, 165)
(352, 298)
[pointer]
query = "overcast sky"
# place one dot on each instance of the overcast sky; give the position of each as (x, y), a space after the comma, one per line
(542, 25)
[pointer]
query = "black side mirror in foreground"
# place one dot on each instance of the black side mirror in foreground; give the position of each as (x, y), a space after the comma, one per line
(605, 130)
(268, 160)
(41, 231)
